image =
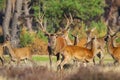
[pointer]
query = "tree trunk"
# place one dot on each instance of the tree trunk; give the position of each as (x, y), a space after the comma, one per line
(113, 17)
(16, 15)
(28, 20)
(7, 19)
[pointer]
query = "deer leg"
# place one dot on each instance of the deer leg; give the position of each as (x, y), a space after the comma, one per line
(11, 60)
(25, 61)
(2, 60)
(18, 62)
(58, 65)
(94, 61)
(85, 63)
(58, 59)
(101, 57)
(75, 61)
(50, 56)
(32, 61)
(64, 61)
(115, 62)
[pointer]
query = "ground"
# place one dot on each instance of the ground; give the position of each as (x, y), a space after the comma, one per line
(41, 70)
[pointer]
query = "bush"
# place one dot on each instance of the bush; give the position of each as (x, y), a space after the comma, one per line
(100, 28)
(41, 35)
(26, 37)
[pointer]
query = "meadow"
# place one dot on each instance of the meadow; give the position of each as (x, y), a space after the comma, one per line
(41, 71)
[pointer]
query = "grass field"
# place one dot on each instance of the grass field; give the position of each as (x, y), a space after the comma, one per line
(43, 72)
(45, 58)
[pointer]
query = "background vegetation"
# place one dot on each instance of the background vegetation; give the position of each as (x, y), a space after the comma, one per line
(85, 14)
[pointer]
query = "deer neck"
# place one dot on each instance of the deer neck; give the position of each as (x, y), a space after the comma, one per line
(11, 50)
(110, 46)
(94, 48)
(68, 40)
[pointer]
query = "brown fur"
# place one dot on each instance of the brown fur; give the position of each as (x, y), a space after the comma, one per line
(82, 42)
(1, 54)
(18, 54)
(114, 51)
(79, 53)
(60, 44)
(74, 50)
(56, 45)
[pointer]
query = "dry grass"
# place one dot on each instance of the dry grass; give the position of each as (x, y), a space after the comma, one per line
(37, 72)
(27, 72)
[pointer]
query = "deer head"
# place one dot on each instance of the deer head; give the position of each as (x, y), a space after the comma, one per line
(89, 34)
(52, 37)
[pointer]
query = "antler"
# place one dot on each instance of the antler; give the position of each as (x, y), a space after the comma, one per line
(69, 22)
(67, 27)
(42, 27)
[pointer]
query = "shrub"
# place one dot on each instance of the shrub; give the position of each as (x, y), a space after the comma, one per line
(41, 35)
(26, 37)
(100, 28)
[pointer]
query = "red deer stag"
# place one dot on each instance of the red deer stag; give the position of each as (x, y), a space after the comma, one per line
(56, 43)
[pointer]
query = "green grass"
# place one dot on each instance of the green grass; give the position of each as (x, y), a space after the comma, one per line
(42, 58)
(38, 58)
(45, 58)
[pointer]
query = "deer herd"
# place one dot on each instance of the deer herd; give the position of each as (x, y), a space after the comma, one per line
(65, 50)
(84, 50)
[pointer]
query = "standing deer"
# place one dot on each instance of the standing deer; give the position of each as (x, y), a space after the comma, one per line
(100, 44)
(56, 41)
(18, 54)
(79, 53)
(84, 42)
(114, 51)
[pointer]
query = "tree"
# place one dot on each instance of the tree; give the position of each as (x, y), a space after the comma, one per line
(2, 4)
(54, 10)
(16, 15)
(26, 13)
(6, 21)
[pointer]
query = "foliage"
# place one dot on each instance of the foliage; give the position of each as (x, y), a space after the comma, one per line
(100, 28)
(26, 38)
(84, 9)
(54, 10)
(40, 35)
(2, 4)
(118, 40)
